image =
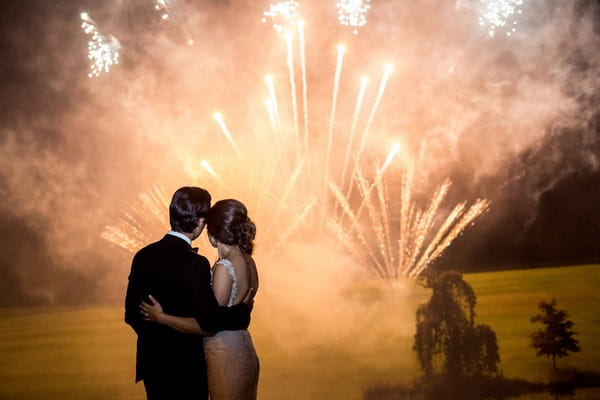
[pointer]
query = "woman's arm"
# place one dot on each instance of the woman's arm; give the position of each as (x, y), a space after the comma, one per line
(154, 312)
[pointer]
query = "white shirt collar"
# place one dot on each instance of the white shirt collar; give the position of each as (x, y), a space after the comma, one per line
(181, 236)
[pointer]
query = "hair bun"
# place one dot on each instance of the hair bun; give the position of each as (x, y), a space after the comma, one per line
(246, 234)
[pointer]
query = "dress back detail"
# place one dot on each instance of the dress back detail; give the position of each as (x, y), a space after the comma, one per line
(229, 268)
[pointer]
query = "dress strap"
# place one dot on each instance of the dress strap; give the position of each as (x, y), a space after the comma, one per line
(228, 266)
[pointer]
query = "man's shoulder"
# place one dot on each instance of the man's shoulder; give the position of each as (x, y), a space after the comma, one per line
(150, 248)
(198, 260)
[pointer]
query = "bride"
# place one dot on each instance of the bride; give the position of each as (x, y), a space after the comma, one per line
(231, 361)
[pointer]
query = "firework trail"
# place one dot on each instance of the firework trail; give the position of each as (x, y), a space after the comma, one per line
(205, 164)
(357, 108)
(336, 85)
(219, 118)
(304, 83)
(289, 39)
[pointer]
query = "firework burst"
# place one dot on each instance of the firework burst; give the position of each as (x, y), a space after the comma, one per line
(499, 15)
(283, 14)
(389, 247)
(103, 48)
(353, 13)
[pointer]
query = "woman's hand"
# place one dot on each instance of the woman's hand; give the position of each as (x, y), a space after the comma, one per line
(152, 312)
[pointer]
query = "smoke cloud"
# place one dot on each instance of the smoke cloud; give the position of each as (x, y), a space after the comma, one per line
(514, 120)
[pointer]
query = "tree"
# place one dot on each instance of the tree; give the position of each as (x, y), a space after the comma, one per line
(447, 340)
(556, 338)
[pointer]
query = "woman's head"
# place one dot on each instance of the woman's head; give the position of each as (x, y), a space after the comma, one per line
(228, 223)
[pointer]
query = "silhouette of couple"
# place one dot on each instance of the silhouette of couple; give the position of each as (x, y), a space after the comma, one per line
(190, 320)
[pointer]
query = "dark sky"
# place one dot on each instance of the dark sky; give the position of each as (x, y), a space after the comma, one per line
(73, 150)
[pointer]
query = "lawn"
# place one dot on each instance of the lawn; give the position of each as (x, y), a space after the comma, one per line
(88, 353)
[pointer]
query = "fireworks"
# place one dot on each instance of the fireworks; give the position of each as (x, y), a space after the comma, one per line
(393, 237)
(163, 7)
(103, 48)
(496, 14)
(142, 222)
(167, 12)
(219, 118)
(352, 13)
(283, 14)
(417, 239)
(336, 85)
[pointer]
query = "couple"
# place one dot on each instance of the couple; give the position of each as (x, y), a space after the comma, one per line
(190, 321)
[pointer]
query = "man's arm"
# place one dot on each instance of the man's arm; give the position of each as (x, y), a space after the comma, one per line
(134, 295)
(210, 316)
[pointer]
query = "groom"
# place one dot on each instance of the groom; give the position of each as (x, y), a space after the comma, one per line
(171, 363)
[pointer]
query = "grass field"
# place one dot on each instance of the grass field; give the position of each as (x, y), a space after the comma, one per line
(88, 353)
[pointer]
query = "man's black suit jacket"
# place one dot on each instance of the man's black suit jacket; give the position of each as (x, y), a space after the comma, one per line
(180, 280)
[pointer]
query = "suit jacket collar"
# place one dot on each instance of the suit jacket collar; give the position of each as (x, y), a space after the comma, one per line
(176, 241)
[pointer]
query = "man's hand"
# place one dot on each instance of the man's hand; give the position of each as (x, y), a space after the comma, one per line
(151, 312)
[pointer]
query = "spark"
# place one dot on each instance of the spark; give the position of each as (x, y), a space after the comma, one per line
(359, 101)
(336, 84)
(390, 157)
(212, 172)
(496, 14)
(290, 65)
(164, 8)
(103, 48)
(304, 82)
(273, 98)
(276, 130)
(219, 118)
(352, 13)
(168, 13)
(283, 14)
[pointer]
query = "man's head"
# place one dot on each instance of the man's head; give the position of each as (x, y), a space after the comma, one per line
(188, 210)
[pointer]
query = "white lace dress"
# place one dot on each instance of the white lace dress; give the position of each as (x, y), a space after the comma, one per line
(231, 361)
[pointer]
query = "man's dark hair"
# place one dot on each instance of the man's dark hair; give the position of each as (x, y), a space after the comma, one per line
(188, 204)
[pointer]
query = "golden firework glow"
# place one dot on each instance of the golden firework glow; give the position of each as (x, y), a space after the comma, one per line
(390, 239)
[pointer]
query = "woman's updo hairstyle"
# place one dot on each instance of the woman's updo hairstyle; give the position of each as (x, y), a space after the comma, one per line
(228, 222)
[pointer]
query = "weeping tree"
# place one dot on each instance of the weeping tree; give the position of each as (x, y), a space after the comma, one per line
(556, 338)
(447, 340)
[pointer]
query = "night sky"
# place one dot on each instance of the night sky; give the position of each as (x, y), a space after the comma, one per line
(71, 151)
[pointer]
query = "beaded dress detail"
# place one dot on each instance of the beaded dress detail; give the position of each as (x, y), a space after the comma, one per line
(231, 361)
(229, 268)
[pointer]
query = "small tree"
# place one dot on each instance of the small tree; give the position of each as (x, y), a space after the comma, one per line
(556, 338)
